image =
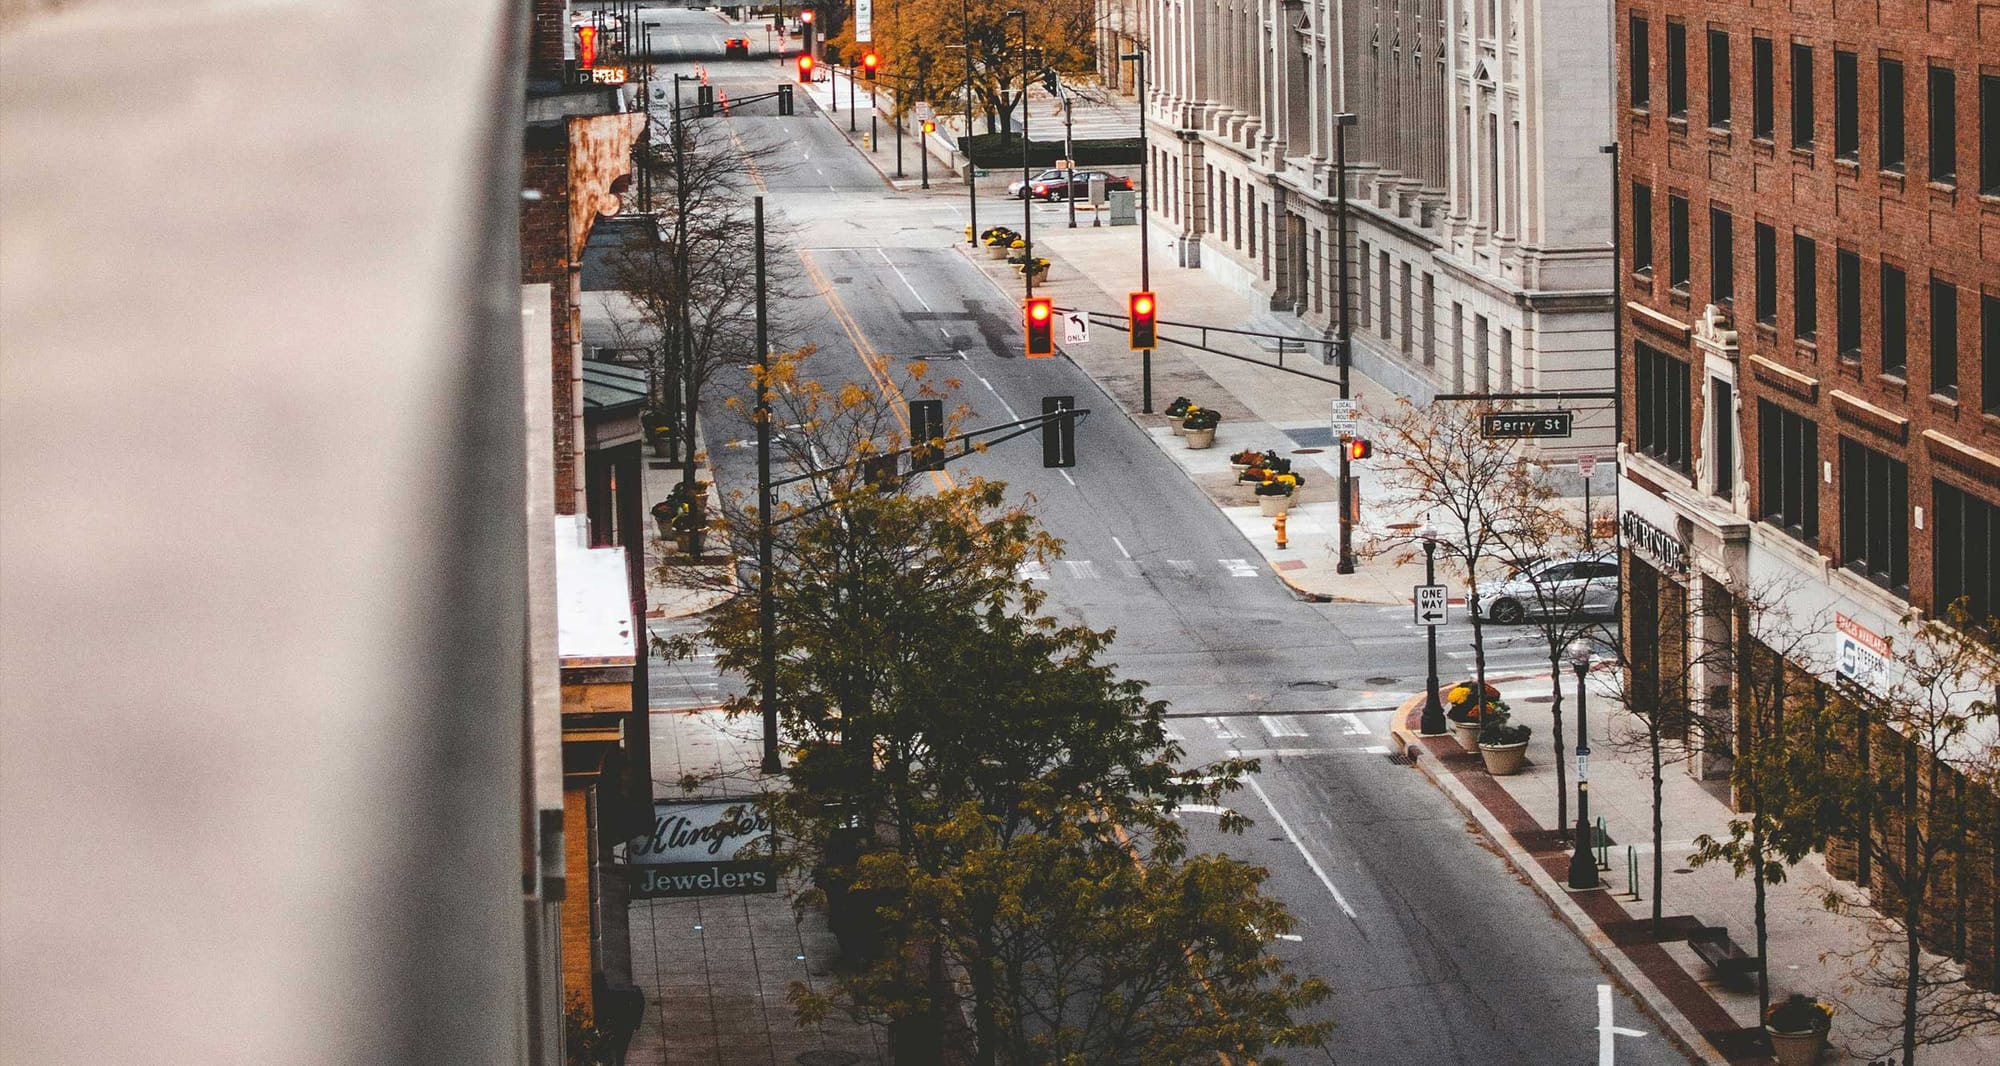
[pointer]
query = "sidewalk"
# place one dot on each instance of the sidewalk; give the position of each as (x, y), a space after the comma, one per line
(1812, 950)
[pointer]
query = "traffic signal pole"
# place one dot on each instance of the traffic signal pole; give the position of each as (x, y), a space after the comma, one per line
(1345, 565)
(1145, 258)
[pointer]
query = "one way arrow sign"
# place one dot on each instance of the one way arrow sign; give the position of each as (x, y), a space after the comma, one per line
(1431, 605)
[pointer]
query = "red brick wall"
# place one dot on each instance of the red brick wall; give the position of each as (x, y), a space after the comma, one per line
(1951, 233)
(545, 40)
(545, 258)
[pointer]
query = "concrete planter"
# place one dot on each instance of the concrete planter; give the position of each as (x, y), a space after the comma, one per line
(1198, 439)
(1796, 1049)
(1467, 734)
(997, 251)
(1504, 760)
(1272, 506)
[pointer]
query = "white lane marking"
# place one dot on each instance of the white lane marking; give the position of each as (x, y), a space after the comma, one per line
(1607, 1032)
(997, 396)
(1286, 828)
(906, 280)
(1293, 937)
(1121, 547)
(1351, 724)
(1128, 568)
(1200, 808)
(1082, 569)
(1222, 730)
(1279, 725)
(1386, 642)
(1238, 567)
(1032, 571)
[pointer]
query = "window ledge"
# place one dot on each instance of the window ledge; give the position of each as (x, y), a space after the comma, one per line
(1802, 154)
(1944, 405)
(1865, 589)
(1848, 163)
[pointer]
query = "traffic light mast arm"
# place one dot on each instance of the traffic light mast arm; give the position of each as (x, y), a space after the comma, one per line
(966, 440)
(1118, 322)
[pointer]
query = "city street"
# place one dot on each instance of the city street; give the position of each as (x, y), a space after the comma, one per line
(1435, 953)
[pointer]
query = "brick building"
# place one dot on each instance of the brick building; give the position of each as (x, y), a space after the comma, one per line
(1809, 298)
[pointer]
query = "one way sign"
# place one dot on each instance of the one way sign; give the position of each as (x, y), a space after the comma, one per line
(1431, 609)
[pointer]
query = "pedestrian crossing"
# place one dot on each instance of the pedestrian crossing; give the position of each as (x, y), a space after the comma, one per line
(1129, 569)
(1282, 735)
(1509, 649)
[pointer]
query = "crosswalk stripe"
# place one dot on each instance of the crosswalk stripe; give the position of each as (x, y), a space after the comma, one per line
(1279, 725)
(1238, 567)
(1082, 569)
(1352, 725)
(1222, 730)
(1185, 567)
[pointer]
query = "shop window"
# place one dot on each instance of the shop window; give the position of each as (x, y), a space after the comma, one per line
(1944, 125)
(1889, 114)
(1875, 516)
(1762, 94)
(1718, 79)
(1847, 302)
(1788, 471)
(1662, 400)
(1965, 552)
(1895, 321)
(1805, 288)
(1642, 229)
(1802, 96)
(1846, 106)
(1721, 257)
(1639, 77)
(1944, 338)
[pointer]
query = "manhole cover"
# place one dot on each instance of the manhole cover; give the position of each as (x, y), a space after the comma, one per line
(1383, 680)
(1314, 686)
(841, 279)
(1685, 870)
(827, 1058)
(1538, 699)
(1307, 451)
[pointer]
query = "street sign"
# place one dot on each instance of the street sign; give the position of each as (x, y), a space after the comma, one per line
(1076, 327)
(1518, 425)
(1432, 609)
(923, 111)
(1346, 417)
(1586, 465)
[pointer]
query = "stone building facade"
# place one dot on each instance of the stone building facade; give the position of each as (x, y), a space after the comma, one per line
(1478, 192)
(1809, 211)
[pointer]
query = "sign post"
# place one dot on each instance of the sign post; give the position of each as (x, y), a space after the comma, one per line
(1433, 605)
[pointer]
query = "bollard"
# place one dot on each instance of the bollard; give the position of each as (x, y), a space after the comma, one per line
(1632, 871)
(1603, 846)
(1278, 524)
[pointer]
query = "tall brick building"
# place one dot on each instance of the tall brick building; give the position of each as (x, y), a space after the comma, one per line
(1809, 297)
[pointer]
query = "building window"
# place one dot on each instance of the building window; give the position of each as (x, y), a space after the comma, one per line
(1875, 516)
(1762, 102)
(1718, 79)
(1989, 134)
(1802, 96)
(1409, 325)
(1721, 257)
(1788, 471)
(1767, 274)
(1889, 108)
(1642, 229)
(1989, 352)
(1640, 75)
(1361, 263)
(1847, 302)
(1944, 125)
(1430, 321)
(1663, 404)
(1895, 321)
(1677, 243)
(1251, 236)
(1382, 291)
(1805, 288)
(1965, 552)
(1677, 70)
(1722, 437)
(1846, 106)
(1944, 338)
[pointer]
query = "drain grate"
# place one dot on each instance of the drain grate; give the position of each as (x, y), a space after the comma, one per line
(1313, 686)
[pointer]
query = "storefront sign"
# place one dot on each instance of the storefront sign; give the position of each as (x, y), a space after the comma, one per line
(699, 849)
(1665, 548)
(1859, 655)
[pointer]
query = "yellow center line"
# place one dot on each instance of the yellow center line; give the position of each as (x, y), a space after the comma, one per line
(742, 152)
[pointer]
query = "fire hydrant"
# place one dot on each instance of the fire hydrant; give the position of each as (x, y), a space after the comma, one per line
(1278, 524)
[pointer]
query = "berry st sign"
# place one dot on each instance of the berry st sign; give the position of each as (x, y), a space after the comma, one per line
(1518, 425)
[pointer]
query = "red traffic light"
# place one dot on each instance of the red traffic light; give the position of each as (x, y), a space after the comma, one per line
(1144, 310)
(806, 15)
(1360, 449)
(1041, 334)
(871, 60)
(805, 68)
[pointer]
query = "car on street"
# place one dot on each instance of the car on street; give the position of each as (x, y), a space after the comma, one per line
(736, 48)
(1048, 185)
(1563, 586)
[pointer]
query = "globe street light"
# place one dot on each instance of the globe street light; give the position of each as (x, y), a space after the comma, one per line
(1582, 864)
(1433, 724)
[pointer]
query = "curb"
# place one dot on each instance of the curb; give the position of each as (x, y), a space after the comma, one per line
(1676, 1026)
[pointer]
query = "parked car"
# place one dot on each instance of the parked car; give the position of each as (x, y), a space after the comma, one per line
(736, 47)
(1048, 185)
(1566, 585)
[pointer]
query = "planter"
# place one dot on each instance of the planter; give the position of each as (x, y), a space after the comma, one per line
(1179, 430)
(1503, 760)
(666, 527)
(662, 446)
(1239, 468)
(1197, 439)
(1274, 505)
(1796, 1049)
(1467, 734)
(997, 251)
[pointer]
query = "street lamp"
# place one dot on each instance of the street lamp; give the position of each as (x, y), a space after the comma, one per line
(1582, 864)
(1433, 723)
(1145, 259)
(689, 378)
(1345, 565)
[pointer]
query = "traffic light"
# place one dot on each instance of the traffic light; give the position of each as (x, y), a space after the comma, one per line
(926, 427)
(806, 16)
(1059, 434)
(868, 64)
(1041, 327)
(805, 69)
(929, 128)
(1145, 312)
(1360, 449)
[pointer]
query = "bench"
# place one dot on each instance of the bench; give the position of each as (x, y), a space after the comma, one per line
(1733, 966)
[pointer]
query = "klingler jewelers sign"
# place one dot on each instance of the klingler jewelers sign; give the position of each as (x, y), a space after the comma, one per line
(710, 848)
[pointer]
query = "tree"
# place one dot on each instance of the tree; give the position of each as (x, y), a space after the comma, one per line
(1870, 767)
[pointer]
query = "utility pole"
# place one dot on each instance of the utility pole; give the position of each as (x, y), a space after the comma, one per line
(1341, 121)
(971, 168)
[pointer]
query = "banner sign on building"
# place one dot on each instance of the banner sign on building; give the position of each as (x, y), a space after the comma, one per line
(1664, 547)
(864, 20)
(708, 848)
(1861, 656)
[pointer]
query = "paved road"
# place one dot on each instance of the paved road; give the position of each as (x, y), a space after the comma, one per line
(1436, 953)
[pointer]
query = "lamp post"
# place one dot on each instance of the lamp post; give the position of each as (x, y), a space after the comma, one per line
(1027, 190)
(971, 168)
(767, 622)
(689, 378)
(1582, 864)
(1145, 259)
(1341, 121)
(1433, 723)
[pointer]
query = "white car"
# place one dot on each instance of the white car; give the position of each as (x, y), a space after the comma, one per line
(1564, 586)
